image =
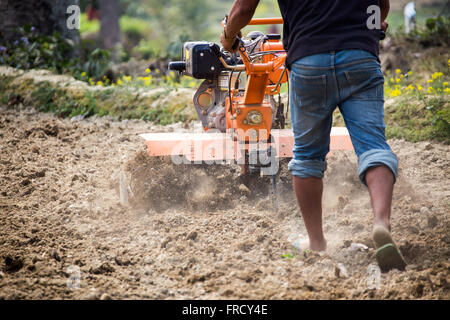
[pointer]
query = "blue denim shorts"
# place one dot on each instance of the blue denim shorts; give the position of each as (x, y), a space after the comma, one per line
(351, 80)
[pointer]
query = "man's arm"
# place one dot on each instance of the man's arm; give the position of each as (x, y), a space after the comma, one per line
(384, 7)
(240, 15)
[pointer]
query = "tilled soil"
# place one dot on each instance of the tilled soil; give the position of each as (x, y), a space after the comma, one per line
(194, 232)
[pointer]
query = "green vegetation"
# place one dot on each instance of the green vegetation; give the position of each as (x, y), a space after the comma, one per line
(67, 98)
(417, 117)
(417, 108)
(36, 51)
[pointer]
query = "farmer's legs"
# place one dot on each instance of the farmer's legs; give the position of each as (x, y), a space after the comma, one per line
(309, 196)
(381, 185)
(363, 112)
(311, 122)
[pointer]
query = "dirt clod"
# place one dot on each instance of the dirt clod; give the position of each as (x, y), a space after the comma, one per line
(13, 264)
(104, 268)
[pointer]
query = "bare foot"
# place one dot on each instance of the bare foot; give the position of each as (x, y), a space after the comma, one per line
(318, 245)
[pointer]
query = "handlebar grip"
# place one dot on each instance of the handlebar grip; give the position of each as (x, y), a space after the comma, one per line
(236, 44)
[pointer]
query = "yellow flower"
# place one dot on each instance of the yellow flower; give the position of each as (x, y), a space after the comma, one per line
(396, 93)
(410, 73)
(126, 78)
(430, 90)
(119, 82)
(147, 70)
(437, 75)
(157, 71)
(398, 71)
(430, 81)
(99, 83)
(410, 87)
(398, 80)
(445, 84)
(401, 76)
(447, 90)
(392, 80)
(83, 74)
(419, 87)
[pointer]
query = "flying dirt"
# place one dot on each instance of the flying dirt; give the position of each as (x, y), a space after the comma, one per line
(196, 232)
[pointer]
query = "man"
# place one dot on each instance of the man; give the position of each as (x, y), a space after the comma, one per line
(332, 56)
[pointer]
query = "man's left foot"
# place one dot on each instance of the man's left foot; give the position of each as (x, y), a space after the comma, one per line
(388, 255)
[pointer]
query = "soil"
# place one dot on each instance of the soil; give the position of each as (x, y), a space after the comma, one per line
(195, 232)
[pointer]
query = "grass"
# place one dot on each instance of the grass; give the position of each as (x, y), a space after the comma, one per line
(124, 102)
(419, 117)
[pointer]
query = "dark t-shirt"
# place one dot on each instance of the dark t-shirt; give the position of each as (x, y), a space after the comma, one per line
(316, 26)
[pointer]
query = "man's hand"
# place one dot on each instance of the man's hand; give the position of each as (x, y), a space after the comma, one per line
(240, 15)
(228, 43)
(384, 26)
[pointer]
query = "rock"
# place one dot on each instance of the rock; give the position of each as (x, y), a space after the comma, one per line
(426, 264)
(192, 236)
(55, 255)
(432, 221)
(105, 296)
(122, 261)
(35, 149)
(244, 190)
(25, 182)
(104, 268)
(358, 247)
(164, 291)
(424, 210)
(13, 264)
(340, 271)
(412, 267)
(94, 295)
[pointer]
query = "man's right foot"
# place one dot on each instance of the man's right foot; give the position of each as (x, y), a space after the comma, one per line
(318, 245)
(388, 255)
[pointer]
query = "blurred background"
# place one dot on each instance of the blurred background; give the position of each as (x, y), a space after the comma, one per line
(122, 49)
(126, 37)
(145, 29)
